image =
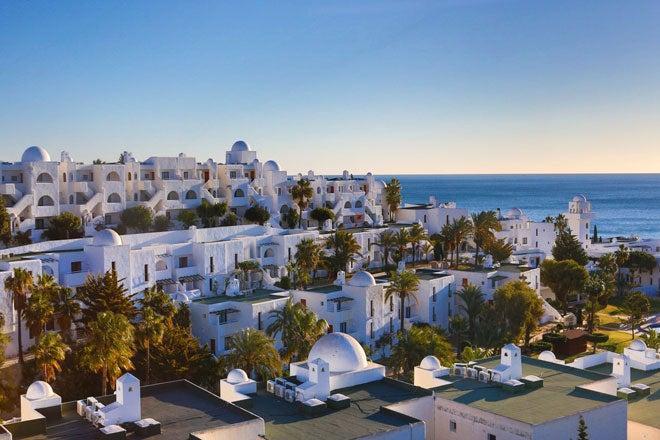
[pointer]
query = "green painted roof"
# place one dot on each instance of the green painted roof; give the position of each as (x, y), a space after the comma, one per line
(257, 296)
(557, 398)
(325, 289)
(647, 410)
(364, 417)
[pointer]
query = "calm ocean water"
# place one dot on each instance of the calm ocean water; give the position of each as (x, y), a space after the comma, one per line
(624, 204)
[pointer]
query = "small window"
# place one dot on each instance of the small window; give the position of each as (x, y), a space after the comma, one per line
(452, 426)
(492, 437)
(211, 265)
(183, 261)
(212, 345)
(146, 273)
(76, 266)
(113, 266)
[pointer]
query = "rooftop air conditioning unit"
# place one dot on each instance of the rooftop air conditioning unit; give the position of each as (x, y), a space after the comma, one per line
(270, 386)
(458, 371)
(279, 390)
(289, 395)
(484, 376)
(471, 373)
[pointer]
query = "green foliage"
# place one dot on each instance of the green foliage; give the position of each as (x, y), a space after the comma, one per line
(597, 338)
(321, 215)
(63, 226)
(284, 283)
(539, 346)
(49, 352)
(484, 224)
(472, 353)
(210, 213)
(254, 352)
(471, 303)
(104, 293)
(500, 250)
(417, 343)
(345, 249)
(19, 284)
(416, 235)
(21, 239)
(257, 214)
(137, 218)
(161, 223)
(567, 247)
(520, 309)
(230, 219)
(5, 223)
(301, 193)
(552, 337)
(583, 434)
(290, 218)
(187, 218)
(640, 261)
(652, 338)
(387, 241)
(563, 278)
(404, 286)
(309, 256)
(637, 305)
(299, 328)
(393, 196)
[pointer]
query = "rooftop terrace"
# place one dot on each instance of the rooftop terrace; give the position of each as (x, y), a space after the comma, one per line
(256, 296)
(364, 417)
(558, 397)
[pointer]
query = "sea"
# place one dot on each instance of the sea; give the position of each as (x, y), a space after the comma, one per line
(624, 204)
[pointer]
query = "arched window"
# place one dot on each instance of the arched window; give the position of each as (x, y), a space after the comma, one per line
(269, 253)
(358, 204)
(347, 205)
(63, 177)
(173, 195)
(44, 178)
(129, 176)
(71, 199)
(284, 209)
(190, 195)
(112, 176)
(239, 193)
(45, 201)
(114, 198)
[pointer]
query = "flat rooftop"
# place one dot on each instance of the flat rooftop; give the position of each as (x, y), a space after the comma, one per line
(646, 410)
(363, 418)
(181, 408)
(431, 274)
(557, 398)
(257, 296)
(325, 289)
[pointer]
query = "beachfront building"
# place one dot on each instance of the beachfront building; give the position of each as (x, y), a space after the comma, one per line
(580, 219)
(39, 187)
(532, 241)
(432, 215)
(489, 277)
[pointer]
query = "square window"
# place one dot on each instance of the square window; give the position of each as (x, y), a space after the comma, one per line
(492, 437)
(452, 426)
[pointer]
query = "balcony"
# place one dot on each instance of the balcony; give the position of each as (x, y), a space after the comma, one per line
(186, 271)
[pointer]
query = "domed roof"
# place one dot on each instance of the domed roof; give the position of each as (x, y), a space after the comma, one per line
(39, 390)
(240, 146)
(637, 345)
(106, 237)
(362, 279)
(514, 213)
(237, 376)
(35, 154)
(341, 351)
(547, 356)
(580, 198)
(271, 165)
(430, 363)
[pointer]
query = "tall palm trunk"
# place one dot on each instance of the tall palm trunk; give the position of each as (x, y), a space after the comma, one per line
(148, 363)
(104, 380)
(401, 312)
(21, 360)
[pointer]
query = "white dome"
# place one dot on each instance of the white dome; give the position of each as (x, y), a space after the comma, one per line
(430, 363)
(240, 146)
(514, 213)
(580, 198)
(39, 390)
(341, 351)
(362, 279)
(106, 237)
(637, 345)
(237, 376)
(271, 165)
(547, 356)
(35, 154)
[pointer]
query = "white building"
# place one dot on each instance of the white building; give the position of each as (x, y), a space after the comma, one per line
(532, 241)
(580, 219)
(433, 215)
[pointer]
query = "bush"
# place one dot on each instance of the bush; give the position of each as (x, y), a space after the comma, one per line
(63, 226)
(230, 219)
(598, 338)
(161, 223)
(539, 346)
(187, 218)
(284, 283)
(321, 215)
(610, 346)
(554, 337)
(257, 214)
(138, 218)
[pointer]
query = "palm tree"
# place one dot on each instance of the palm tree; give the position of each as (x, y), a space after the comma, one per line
(19, 284)
(308, 258)
(402, 238)
(283, 322)
(109, 348)
(463, 229)
(254, 352)
(404, 286)
(103, 293)
(448, 237)
(301, 193)
(472, 301)
(458, 329)
(561, 223)
(66, 310)
(426, 249)
(150, 332)
(158, 301)
(417, 235)
(345, 248)
(299, 329)
(393, 196)
(484, 223)
(387, 242)
(309, 328)
(38, 311)
(49, 353)
(417, 343)
(652, 338)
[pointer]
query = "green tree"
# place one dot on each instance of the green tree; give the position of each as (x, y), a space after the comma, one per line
(500, 250)
(596, 289)
(187, 218)
(402, 239)
(231, 219)
(161, 223)
(473, 353)
(563, 278)
(561, 223)
(149, 332)
(109, 347)
(66, 310)
(637, 305)
(345, 250)
(210, 213)
(639, 262)
(393, 196)
(5, 223)
(63, 226)
(492, 331)
(301, 192)
(447, 239)
(254, 352)
(583, 434)
(458, 330)
(39, 309)
(404, 286)
(461, 230)
(299, 328)
(484, 223)
(472, 302)
(19, 284)
(8, 391)
(159, 301)
(521, 309)
(309, 256)
(387, 243)
(567, 247)
(417, 343)
(417, 235)
(49, 353)
(322, 214)
(137, 218)
(652, 338)
(257, 214)
(21, 238)
(105, 293)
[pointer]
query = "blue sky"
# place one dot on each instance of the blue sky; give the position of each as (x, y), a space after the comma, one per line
(390, 86)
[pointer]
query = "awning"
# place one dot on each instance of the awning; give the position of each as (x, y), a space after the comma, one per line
(191, 278)
(165, 282)
(340, 299)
